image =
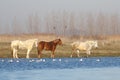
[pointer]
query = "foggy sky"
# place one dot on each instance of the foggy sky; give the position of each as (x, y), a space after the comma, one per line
(9, 9)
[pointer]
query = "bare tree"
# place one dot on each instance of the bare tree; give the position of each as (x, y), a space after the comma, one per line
(30, 24)
(90, 24)
(36, 23)
(100, 24)
(48, 23)
(65, 22)
(114, 24)
(72, 24)
(16, 27)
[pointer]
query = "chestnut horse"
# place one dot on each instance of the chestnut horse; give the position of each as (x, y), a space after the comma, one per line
(49, 46)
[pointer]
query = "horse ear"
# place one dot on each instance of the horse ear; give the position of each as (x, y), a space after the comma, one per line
(55, 40)
(59, 39)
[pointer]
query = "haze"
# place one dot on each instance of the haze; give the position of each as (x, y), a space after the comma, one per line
(21, 9)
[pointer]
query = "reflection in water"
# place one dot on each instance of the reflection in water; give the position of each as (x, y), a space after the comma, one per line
(63, 74)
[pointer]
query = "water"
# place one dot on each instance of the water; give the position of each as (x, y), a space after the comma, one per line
(104, 68)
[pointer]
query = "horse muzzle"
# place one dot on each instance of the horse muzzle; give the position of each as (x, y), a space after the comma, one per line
(96, 47)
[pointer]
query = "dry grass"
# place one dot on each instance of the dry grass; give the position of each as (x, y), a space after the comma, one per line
(110, 46)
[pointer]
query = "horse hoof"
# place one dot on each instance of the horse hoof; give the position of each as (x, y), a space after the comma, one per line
(71, 56)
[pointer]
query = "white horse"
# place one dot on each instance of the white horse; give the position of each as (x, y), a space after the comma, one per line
(83, 46)
(28, 44)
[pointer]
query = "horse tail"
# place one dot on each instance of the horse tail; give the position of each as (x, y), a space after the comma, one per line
(39, 53)
(12, 48)
(11, 51)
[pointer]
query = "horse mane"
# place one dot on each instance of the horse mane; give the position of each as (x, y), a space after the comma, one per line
(32, 40)
(56, 40)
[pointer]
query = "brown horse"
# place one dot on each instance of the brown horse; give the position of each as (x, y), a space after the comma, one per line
(49, 46)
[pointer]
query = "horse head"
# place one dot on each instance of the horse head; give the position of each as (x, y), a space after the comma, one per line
(95, 44)
(58, 41)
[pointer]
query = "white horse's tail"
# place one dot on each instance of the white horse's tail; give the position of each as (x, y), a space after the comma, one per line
(11, 51)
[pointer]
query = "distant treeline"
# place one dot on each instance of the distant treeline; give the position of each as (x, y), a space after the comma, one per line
(68, 24)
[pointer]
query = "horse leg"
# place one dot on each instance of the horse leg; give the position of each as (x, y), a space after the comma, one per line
(12, 52)
(52, 54)
(28, 51)
(88, 53)
(72, 53)
(39, 54)
(78, 53)
(16, 54)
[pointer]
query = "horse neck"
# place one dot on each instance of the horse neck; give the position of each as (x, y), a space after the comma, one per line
(34, 43)
(30, 42)
(89, 46)
(55, 43)
(21, 45)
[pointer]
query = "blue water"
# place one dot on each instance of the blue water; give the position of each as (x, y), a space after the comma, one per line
(103, 68)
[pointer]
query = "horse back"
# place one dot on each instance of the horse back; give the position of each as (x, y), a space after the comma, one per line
(79, 45)
(41, 45)
(46, 45)
(15, 44)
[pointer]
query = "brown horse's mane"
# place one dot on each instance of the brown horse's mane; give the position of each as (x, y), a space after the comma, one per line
(53, 41)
